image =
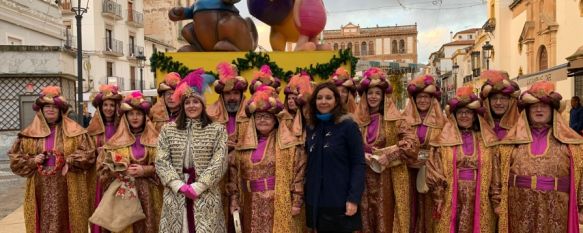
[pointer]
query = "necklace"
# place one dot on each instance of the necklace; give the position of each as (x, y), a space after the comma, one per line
(51, 170)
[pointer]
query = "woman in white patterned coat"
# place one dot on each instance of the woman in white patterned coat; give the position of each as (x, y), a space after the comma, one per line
(192, 159)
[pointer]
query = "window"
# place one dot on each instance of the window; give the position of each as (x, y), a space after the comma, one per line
(349, 45)
(394, 48)
(132, 77)
(459, 37)
(402, 48)
(14, 41)
(130, 11)
(154, 49)
(335, 46)
(370, 48)
(579, 85)
(470, 37)
(109, 69)
(342, 46)
(108, 39)
(356, 50)
(542, 58)
(363, 49)
(132, 46)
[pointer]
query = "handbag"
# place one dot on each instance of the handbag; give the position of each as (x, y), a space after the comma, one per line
(237, 222)
(378, 167)
(120, 206)
(421, 181)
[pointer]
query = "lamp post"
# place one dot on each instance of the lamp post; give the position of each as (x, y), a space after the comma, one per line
(79, 11)
(141, 63)
(487, 48)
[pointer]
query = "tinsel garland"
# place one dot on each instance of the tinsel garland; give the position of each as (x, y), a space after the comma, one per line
(254, 60)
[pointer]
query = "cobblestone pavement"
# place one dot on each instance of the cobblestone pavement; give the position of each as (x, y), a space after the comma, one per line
(11, 190)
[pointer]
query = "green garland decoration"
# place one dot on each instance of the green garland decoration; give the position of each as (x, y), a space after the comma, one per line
(253, 60)
(398, 89)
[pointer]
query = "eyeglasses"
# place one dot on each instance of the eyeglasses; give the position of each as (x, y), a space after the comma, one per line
(263, 116)
(464, 112)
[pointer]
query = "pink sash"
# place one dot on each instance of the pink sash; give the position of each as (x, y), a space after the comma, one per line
(453, 221)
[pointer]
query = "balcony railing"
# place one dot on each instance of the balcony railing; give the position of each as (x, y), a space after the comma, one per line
(70, 41)
(111, 9)
(135, 18)
(113, 47)
(134, 51)
(66, 7)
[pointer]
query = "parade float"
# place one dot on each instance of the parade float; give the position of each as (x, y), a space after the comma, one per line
(216, 33)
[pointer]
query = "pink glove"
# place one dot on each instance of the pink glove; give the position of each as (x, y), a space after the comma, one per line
(188, 191)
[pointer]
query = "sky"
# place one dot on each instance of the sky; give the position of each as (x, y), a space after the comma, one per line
(435, 18)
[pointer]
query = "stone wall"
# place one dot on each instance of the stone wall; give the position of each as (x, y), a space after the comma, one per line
(35, 60)
(7, 138)
(158, 26)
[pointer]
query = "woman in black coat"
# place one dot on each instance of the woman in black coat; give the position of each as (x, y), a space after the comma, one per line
(334, 179)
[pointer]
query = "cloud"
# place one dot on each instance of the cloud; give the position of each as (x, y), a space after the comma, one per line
(431, 40)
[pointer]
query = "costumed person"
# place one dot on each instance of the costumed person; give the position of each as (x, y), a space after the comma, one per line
(426, 117)
(267, 172)
(54, 153)
(389, 141)
(461, 170)
(166, 109)
(334, 179)
(500, 96)
(576, 115)
(264, 77)
(101, 127)
(540, 167)
(347, 88)
(134, 141)
(230, 87)
(231, 103)
(192, 159)
(297, 94)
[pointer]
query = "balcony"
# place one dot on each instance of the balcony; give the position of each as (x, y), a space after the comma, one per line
(113, 47)
(135, 19)
(70, 42)
(66, 7)
(134, 51)
(111, 9)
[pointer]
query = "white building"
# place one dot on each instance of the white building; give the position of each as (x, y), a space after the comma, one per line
(34, 53)
(113, 37)
(441, 63)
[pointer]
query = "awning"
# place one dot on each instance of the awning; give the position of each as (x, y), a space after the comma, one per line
(553, 74)
(576, 63)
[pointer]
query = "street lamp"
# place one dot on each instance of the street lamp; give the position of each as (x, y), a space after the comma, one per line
(487, 48)
(141, 64)
(79, 11)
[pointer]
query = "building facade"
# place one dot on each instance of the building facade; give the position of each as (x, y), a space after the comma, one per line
(532, 40)
(113, 39)
(451, 63)
(157, 25)
(387, 43)
(34, 53)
